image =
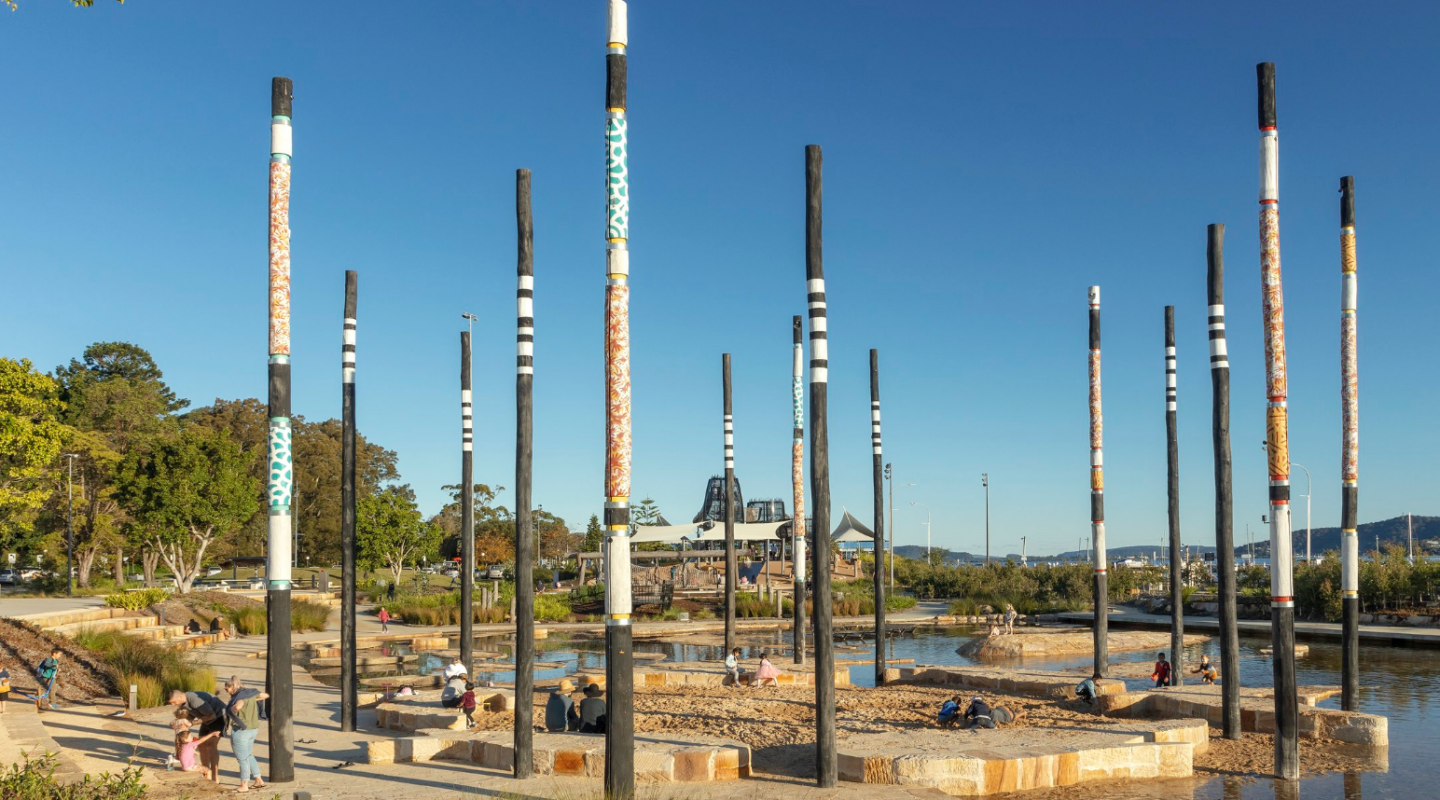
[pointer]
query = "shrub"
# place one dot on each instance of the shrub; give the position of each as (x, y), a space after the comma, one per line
(750, 605)
(304, 616)
(899, 602)
(149, 693)
(35, 780)
(134, 601)
(551, 607)
(154, 668)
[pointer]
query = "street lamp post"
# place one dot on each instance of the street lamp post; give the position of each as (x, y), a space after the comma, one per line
(69, 527)
(1307, 510)
(985, 481)
(927, 528)
(1022, 552)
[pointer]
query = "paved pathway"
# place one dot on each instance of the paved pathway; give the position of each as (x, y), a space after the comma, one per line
(93, 742)
(24, 606)
(1121, 615)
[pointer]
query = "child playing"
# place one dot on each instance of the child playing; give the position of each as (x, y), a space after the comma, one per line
(467, 702)
(181, 727)
(4, 687)
(384, 620)
(188, 747)
(47, 675)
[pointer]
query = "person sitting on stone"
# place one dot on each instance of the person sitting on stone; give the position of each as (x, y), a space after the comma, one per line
(192, 627)
(454, 690)
(977, 714)
(456, 667)
(733, 668)
(592, 711)
(560, 709)
(1087, 691)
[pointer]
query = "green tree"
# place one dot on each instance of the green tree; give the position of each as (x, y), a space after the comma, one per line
(647, 512)
(114, 395)
(390, 532)
(316, 448)
(594, 535)
(494, 526)
(184, 490)
(31, 440)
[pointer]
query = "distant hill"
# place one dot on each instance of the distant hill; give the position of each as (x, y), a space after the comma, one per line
(1391, 531)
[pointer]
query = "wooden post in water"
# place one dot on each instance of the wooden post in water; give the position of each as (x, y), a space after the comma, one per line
(619, 659)
(1282, 554)
(1224, 499)
(349, 685)
(1097, 494)
(1172, 449)
(1349, 456)
(879, 481)
(797, 485)
(467, 510)
(728, 424)
(524, 455)
(826, 766)
(281, 481)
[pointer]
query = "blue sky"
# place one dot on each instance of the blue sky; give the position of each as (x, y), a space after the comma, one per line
(983, 165)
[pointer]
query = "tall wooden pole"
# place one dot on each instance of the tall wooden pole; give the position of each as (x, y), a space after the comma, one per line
(1282, 554)
(879, 482)
(524, 452)
(1224, 499)
(1097, 494)
(281, 481)
(826, 765)
(619, 660)
(797, 485)
(730, 565)
(1350, 455)
(1172, 450)
(349, 685)
(467, 510)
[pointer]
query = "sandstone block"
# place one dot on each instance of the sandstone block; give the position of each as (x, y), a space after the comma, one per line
(381, 751)
(695, 765)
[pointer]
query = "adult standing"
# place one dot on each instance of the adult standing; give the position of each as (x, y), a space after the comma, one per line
(209, 710)
(244, 714)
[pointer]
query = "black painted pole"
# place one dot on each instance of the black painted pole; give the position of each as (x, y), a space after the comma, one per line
(524, 456)
(1172, 491)
(797, 486)
(826, 766)
(1224, 499)
(467, 511)
(1350, 457)
(280, 484)
(349, 686)
(879, 483)
(730, 563)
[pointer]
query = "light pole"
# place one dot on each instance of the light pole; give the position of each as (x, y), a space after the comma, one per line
(985, 482)
(1022, 552)
(69, 527)
(927, 528)
(1307, 510)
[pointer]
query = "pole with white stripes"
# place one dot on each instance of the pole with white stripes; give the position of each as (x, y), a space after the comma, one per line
(349, 685)
(1224, 499)
(1282, 556)
(1097, 493)
(729, 514)
(826, 764)
(879, 482)
(1172, 491)
(467, 510)
(524, 452)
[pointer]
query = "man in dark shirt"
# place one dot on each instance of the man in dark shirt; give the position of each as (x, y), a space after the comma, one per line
(592, 711)
(210, 710)
(978, 714)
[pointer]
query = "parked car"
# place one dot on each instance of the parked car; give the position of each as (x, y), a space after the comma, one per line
(495, 573)
(9, 576)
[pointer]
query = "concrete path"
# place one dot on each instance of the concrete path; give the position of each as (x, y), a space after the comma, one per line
(1122, 616)
(93, 742)
(25, 606)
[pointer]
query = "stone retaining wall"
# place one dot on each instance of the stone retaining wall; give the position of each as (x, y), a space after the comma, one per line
(1030, 683)
(668, 759)
(1257, 712)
